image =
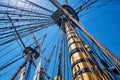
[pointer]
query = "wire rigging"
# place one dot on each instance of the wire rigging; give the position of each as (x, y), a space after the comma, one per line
(20, 19)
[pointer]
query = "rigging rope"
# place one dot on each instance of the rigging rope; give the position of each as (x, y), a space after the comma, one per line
(10, 63)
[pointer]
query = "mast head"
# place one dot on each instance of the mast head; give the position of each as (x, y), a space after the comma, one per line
(31, 52)
(60, 18)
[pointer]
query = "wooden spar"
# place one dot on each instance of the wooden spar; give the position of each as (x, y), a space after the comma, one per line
(82, 68)
(23, 65)
(108, 53)
(37, 74)
(29, 56)
(22, 73)
(16, 31)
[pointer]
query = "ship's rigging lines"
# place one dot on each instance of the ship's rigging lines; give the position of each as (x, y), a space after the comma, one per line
(19, 22)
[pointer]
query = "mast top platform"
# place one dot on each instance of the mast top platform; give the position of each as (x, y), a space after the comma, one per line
(59, 17)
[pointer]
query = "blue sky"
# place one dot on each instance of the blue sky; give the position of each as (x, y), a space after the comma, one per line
(103, 23)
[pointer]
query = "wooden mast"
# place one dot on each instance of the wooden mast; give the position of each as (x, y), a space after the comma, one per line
(27, 51)
(108, 53)
(82, 68)
(22, 67)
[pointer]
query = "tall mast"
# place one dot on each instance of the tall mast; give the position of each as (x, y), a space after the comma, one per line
(22, 69)
(31, 55)
(22, 73)
(104, 49)
(82, 68)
